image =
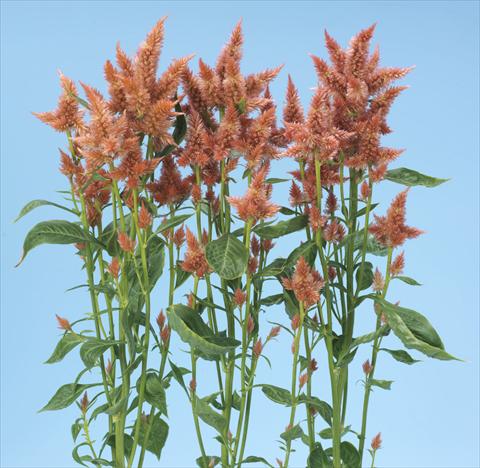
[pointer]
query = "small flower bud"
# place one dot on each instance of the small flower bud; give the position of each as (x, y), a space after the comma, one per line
(63, 323)
(303, 379)
(165, 335)
(239, 297)
(331, 203)
(252, 265)
(293, 348)
(109, 367)
(250, 325)
(125, 243)
(257, 348)
(255, 246)
(80, 245)
(114, 267)
(161, 320)
(365, 190)
(84, 403)
(267, 245)
(378, 281)
(295, 321)
(377, 442)
(179, 237)
(274, 332)
(332, 273)
(313, 365)
(196, 194)
(279, 463)
(193, 385)
(367, 367)
(144, 218)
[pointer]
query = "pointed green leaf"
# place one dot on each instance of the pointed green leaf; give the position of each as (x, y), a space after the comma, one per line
(385, 384)
(255, 459)
(192, 330)
(410, 178)
(323, 408)
(295, 432)
(35, 204)
(55, 231)
(64, 346)
(349, 455)
(172, 222)
(365, 274)
(66, 395)
(154, 392)
(318, 458)
(227, 256)
(92, 349)
(210, 416)
(157, 437)
(400, 355)
(282, 228)
(408, 280)
(277, 394)
(414, 330)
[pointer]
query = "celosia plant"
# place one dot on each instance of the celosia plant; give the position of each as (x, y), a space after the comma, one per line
(150, 172)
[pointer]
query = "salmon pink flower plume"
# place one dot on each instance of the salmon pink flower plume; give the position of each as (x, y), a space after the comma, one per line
(255, 205)
(398, 264)
(63, 323)
(391, 230)
(195, 261)
(306, 283)
(67, 115)
(126, 243)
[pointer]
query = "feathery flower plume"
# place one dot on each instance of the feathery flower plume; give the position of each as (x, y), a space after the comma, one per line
(293, 111)
(67, 115)
(195, 261)
(306, 283)
(391, 230)
(255, 205)
(165, 334)
(252, 265)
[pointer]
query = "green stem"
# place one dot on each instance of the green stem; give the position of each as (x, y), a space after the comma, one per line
(294, 380)
(376, 346)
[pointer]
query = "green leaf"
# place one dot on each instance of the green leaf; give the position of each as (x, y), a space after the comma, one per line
(414, 330)
(157, 437)
(372, 246)
(385, 384)
(272, 300)
(323, 408)
(154, 392)
(369, 337)
(400, 355)
(116, 408)
(318, 458)
(349, 455)
(75, 430)
(327, 433)
(210, 416)
(172, 222)
(411, 178)
(295, 432)
(275, 180)
(55, 231)
(192, 330)
(209, 461)
(92, 349)
(255, 459)
(64, 346)
(81, 459)
(178, 373)
(127, 443)
(307, 250)
(275, 268)
(366, 275)
(408, 280)
(346, 359)
(35, 204)
(65, 396)
(178, 132)
(282, 228)
(277, 394)
(227, 256)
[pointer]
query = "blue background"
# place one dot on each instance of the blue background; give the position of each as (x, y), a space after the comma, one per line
(430, 418)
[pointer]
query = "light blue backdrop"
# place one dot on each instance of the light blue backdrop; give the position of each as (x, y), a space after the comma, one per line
(430, 418)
